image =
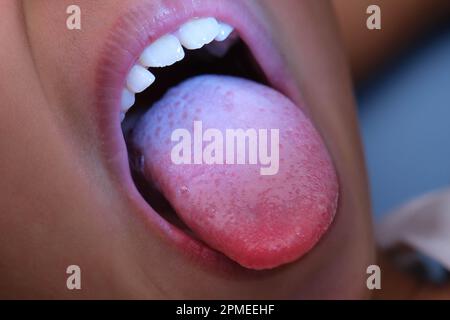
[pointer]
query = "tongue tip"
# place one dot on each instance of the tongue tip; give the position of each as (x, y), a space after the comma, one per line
(265, 261)
(265, 258)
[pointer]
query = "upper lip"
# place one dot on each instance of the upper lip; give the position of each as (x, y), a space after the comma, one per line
(132, 32)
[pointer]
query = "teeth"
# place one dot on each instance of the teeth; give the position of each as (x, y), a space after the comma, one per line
(224, 31)
(163, 52)
(139, 79)
(127, 101)
(198, 32)
(168, 50)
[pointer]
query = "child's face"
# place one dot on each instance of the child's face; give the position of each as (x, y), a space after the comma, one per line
(66, 198)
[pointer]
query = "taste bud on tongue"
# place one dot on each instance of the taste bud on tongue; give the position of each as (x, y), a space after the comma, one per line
(236, 140)
(260, 221)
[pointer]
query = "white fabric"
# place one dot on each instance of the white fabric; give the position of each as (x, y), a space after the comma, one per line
(423, 224)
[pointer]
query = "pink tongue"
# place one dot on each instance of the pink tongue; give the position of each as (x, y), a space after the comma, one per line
(260, 221)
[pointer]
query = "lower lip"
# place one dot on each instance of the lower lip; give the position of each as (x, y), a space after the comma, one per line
(110, 82)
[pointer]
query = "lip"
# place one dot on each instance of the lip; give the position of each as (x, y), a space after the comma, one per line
(132, 32)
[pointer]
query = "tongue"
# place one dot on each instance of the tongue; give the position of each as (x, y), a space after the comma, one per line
(262, 211)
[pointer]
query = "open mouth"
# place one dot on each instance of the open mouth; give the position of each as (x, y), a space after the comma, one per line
(196, 60)
(170, 63)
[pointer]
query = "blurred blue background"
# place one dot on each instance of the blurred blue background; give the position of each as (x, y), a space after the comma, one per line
(405, 121)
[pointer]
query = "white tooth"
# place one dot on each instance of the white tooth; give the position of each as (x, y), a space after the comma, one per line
(139, 79)
(163, 52)
(196, 33)
(127, 101)
(224, 31)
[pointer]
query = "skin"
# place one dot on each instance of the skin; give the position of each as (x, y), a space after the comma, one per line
(402, 23)
(60, 206)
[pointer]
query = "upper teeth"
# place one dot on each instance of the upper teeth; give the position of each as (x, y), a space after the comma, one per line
(224, 31)
(163, 52)
(168, 50)
(198, 32)
(128, 100)
(139, 79)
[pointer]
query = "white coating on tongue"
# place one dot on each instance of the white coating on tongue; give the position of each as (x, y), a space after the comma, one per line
(259, 221)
